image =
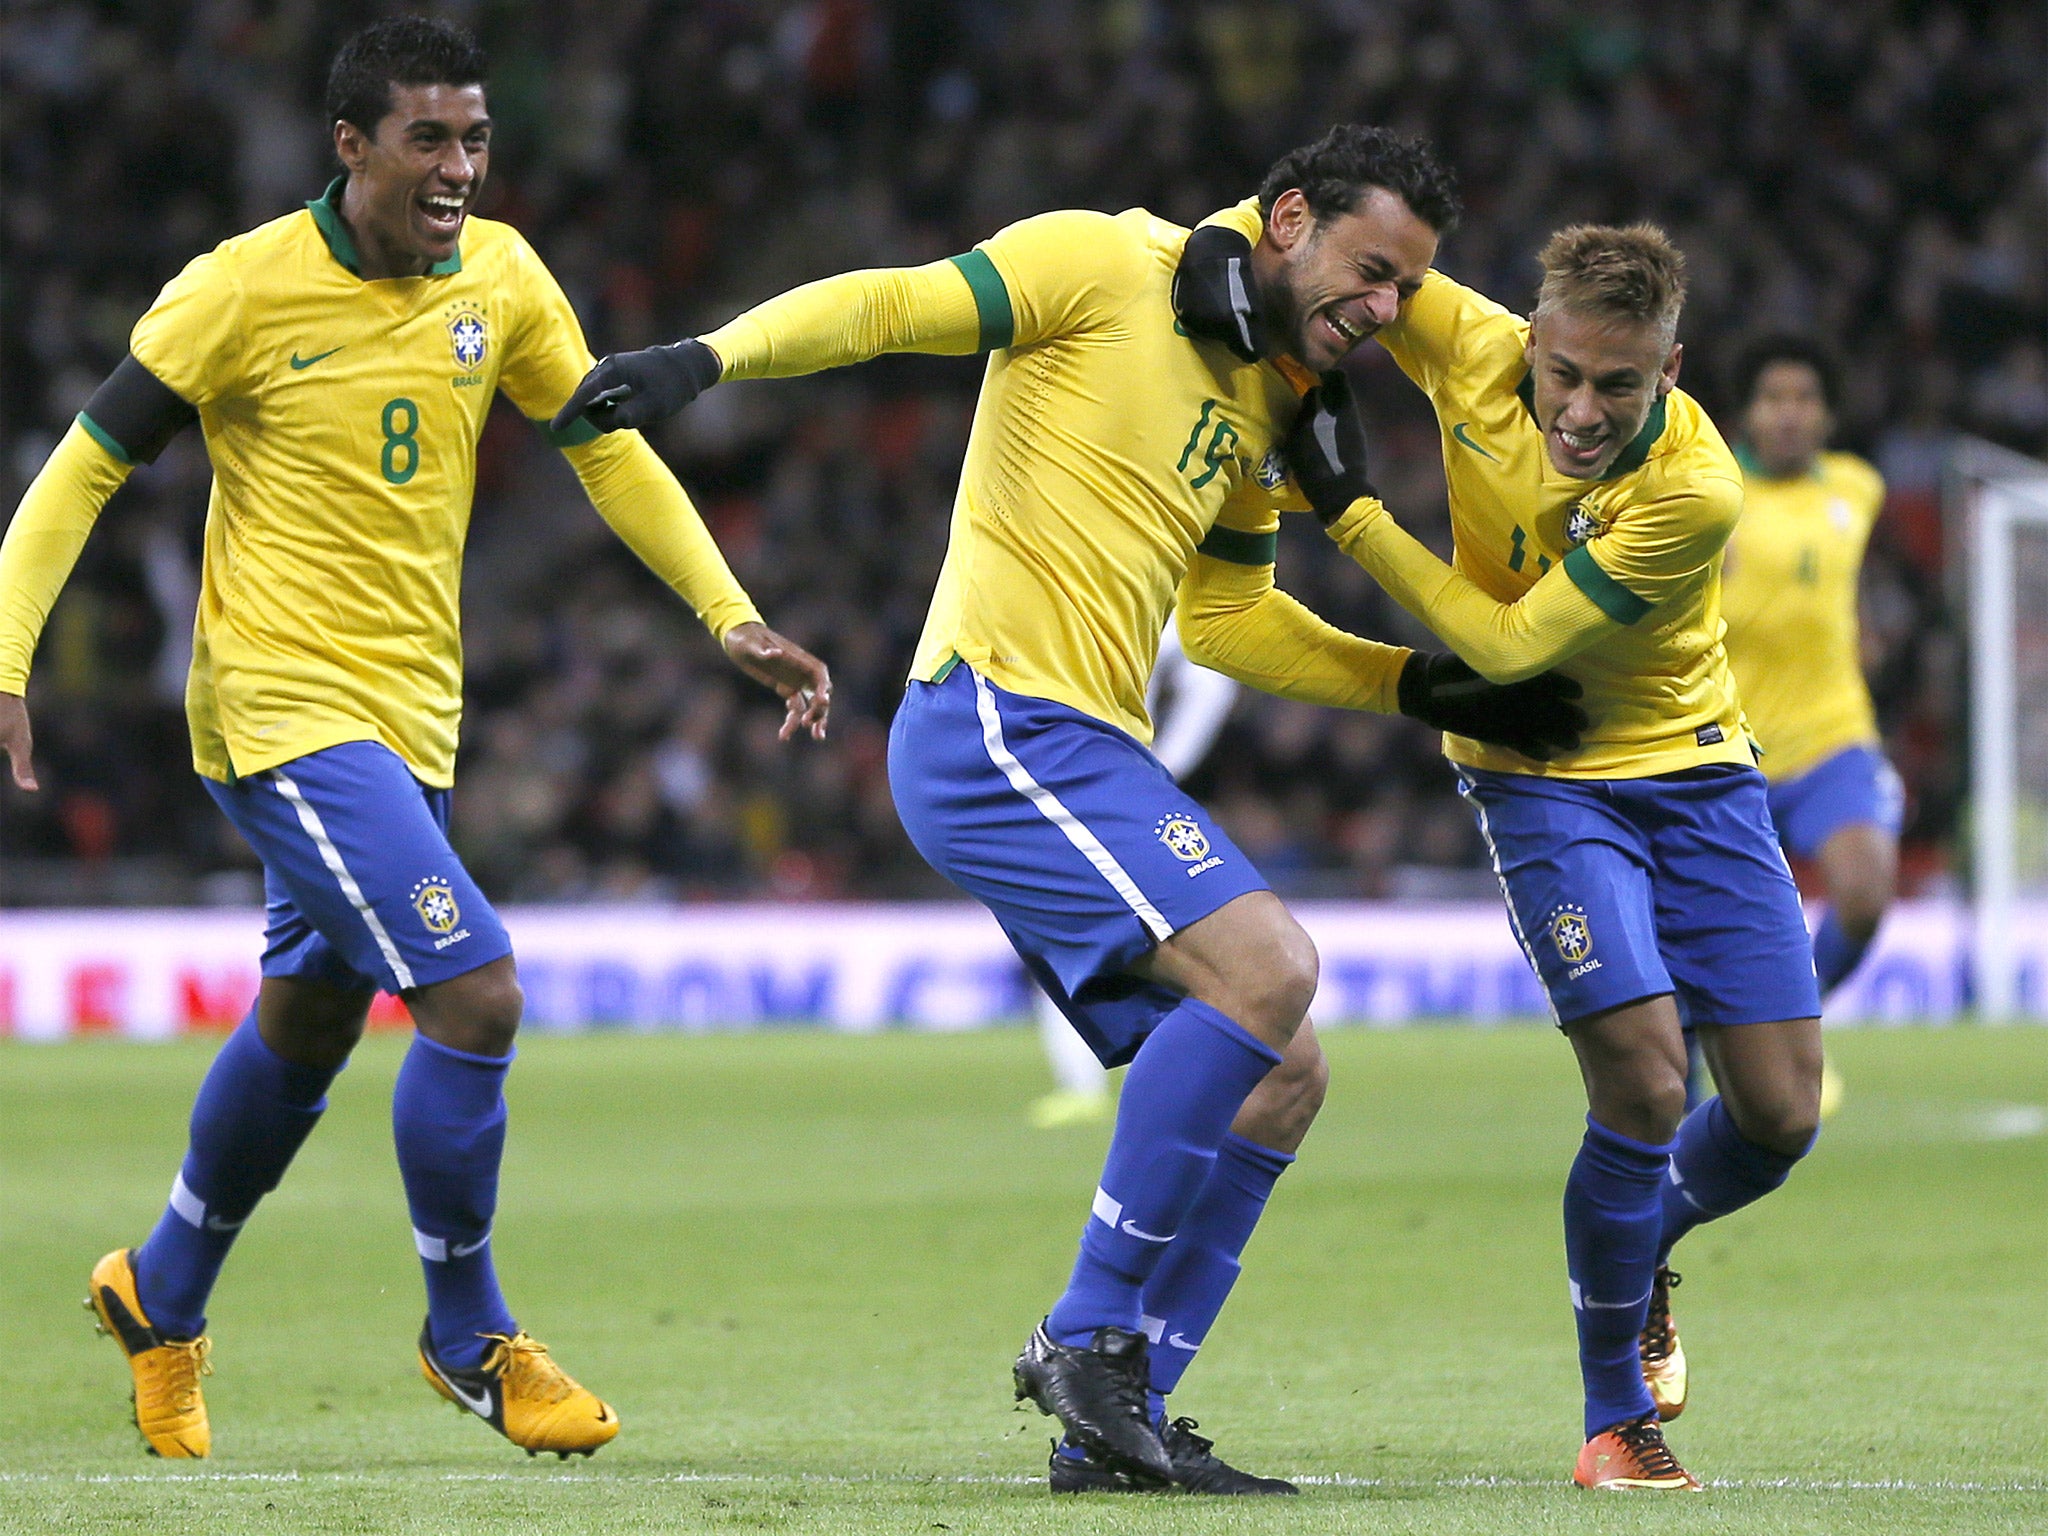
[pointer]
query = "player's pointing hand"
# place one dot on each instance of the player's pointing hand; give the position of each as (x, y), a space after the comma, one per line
(15, 739)
(800, 678)
(630, 389)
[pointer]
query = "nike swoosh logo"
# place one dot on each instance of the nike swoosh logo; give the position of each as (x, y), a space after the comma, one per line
(215, 1224)
(1143, 1236)
(1460, 434)
(299, 362)
(1180, 1340)
(480, 1405)
(463, 1251)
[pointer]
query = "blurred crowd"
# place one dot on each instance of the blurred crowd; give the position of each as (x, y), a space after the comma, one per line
(1871, 172)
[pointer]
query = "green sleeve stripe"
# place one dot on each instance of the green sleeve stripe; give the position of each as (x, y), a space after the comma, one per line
(100, 435)
(1609, 595)
(1239, 547)
(991, 299)
(574, 435)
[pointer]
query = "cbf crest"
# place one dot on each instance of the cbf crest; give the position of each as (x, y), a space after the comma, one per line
(470, 338)
(434, 900)
(1579, 525)
(1272, 471)
(1183, 837)
(1572, 934)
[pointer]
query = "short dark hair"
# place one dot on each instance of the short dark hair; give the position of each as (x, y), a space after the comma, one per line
(1335, 172)
(399, 50)
(1785, 347)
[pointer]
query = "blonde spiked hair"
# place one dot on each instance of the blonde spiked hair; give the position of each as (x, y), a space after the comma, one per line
(1615, 273)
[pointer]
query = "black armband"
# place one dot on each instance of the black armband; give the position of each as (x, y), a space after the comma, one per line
(134, 413)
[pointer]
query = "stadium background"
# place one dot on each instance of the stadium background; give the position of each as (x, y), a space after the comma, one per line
(1872, 172)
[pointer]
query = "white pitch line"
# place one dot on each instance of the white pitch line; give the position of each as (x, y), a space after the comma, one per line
(597, 1479)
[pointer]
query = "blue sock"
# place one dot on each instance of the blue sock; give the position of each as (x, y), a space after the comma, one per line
(1716, 1170)
(1184, 1087)
(1835, 954)
(1195, 1274)
(1612, 1217)
(448, 1118)
(253, 1111)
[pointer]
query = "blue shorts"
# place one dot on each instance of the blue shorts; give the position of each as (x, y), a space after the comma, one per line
(1622, 889)
(1854, 787)
(361, 887)
(1071, 833)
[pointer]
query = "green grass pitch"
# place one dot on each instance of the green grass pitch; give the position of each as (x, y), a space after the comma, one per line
(799, 1265)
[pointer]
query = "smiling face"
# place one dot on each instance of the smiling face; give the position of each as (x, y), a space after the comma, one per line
(1787, 421)
(1330, 283)
(1596, 380)
(413, 182)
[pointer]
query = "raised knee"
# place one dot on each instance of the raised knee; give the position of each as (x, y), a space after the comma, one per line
(1285, 984)
(1787, 1128)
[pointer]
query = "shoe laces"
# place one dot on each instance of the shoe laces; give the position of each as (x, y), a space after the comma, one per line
(1182, 1432)
(1644, 1438)
(522, 1365)
(194, 1360)
(1656, 1339)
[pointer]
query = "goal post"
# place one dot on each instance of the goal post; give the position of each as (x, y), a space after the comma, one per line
(1999, 500)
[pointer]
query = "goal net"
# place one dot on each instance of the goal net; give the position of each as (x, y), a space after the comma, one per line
(2003, 501)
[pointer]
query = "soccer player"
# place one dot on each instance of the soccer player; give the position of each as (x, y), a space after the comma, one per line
(1590, 501)
(1187, 705)
(1789, 597)
(340, 362)
(1118, 467)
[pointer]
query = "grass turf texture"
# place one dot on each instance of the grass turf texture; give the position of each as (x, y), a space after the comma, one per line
(800, 1265)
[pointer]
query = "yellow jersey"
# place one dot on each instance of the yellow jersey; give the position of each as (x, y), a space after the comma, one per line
(1643, 542)
(1116, 468)
(342, 419)
(1790, 601)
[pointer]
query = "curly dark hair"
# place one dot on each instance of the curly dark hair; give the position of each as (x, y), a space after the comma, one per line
(399, 50)
(1784, 347)
(1336, 170)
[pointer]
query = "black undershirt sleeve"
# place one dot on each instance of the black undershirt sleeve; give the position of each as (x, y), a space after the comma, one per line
(136, 413)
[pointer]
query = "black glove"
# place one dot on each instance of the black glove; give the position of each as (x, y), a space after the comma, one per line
(1325, 449)
(1538, 717)
(1214, 295)
(630, 389)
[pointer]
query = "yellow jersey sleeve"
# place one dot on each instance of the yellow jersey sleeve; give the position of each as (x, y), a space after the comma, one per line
(1657, 547)
(193, 337)
(546, 356)
(1233, 620)
(856, 316)
(1503, 642)
(1061, 273)
(1446, 326)
(49, 529)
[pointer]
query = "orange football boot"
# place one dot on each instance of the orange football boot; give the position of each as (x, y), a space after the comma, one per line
(170, 1410)
(1663, 1356)
(1632, 1456)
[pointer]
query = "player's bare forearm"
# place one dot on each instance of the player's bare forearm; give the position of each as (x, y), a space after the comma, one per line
(803, 682)
(16, 740)
(1503, 642)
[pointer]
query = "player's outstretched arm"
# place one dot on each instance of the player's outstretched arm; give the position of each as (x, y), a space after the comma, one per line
(126, 422)
(826, 324)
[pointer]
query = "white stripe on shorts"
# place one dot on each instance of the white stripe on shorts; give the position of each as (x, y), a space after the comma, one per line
(331, 857)
(1469, 791)
(1050, 807)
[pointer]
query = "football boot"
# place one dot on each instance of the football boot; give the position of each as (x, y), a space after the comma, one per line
(170, 1410)
(521, 1393)
(1098, 1395)
(1662, 1355)
(1632, 1456)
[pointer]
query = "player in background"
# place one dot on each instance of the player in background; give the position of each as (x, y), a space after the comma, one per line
(1789, 596)
(1590, 501)
(1118, 468)
(1187, 705)
(340, 362)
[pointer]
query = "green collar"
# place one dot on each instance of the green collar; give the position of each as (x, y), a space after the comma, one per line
(1630, 458)
(326, 211)
(1747, 460)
